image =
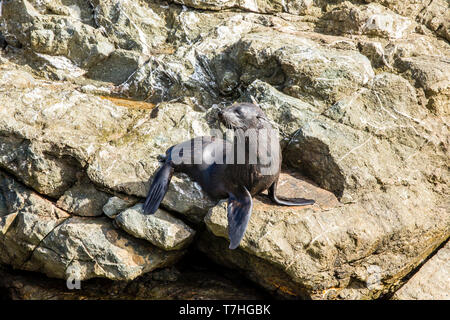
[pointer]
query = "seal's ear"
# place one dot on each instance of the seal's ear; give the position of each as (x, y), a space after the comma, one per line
(239, 211)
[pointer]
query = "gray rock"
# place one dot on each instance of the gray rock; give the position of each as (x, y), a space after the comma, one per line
(403, 122)
(329, 250)
(192, 69)
(116, 205)
(84, 248)
(44, 140)
(371, 209)
(84, 200)
(375, 52)
(37, 236)
(55, 34)
(161, 229)
(118, 146)
(431, 74)
(304, 69)
(117, 68)
(126, 164)
(134, 25)
(372, 19)
(25, 221)
(431, 282)
(436, 16)
(375, 142)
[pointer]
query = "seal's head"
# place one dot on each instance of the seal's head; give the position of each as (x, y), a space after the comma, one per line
(243, 116)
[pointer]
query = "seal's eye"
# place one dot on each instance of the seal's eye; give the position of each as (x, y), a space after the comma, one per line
(238, 111)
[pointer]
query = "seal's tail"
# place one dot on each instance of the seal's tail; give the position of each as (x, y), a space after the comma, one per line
(158, 189)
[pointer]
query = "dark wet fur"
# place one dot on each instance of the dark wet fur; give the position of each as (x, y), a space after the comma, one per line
(237, 182)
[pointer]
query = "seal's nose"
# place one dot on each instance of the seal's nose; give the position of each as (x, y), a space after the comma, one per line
(220, 114)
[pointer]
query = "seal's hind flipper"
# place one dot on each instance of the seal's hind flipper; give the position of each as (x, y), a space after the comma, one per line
(239, 210)
(158, 189)
(283, 202)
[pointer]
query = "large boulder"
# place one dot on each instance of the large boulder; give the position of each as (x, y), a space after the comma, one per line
(315, 143)
(161, 229)
(35, 235)
(58, 35)
(56, 131)
(329, 250)
(261, 6)
(372, 19)
(303, 68)
(364, 149)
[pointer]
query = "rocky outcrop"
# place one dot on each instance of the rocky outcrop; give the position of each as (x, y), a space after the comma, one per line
(116, 205)
(37, 236)
(431, 281)
(91, 93)
(161, 229)
(83, 199)
(353, 249)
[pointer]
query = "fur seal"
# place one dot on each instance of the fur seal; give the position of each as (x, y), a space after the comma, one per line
(237, 180)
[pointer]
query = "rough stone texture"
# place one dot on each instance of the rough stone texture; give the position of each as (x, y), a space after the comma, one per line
(434, 14)
(54, 131)
(358, 89)
(45, 141)
(432, 75)
(26, 219)
(116, 205)
(316, 147)
(125, 164)
(118, 67)
(37, 236)
(432, 281)
(83, 199)
(328, 250)
(161, 229)
(92, 247)
(372, 19)
(132, 25)
(301, 67)
(180, 282)
(60, 35)
(261, 6)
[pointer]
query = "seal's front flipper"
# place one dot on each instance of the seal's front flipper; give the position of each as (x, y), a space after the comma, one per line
(283, 202)
(158, 189)
(240, 207)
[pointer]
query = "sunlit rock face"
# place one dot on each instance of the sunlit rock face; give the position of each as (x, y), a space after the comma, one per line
(93, 92)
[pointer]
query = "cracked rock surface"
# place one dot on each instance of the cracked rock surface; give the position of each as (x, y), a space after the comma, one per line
(427, 283)
(92, 92)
